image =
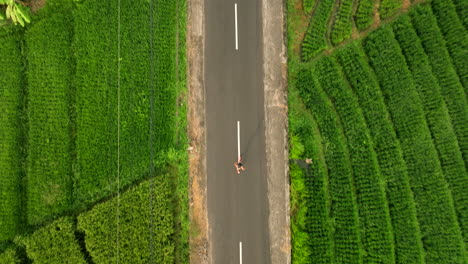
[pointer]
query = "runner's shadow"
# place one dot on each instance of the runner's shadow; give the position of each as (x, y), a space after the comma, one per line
(256, 134)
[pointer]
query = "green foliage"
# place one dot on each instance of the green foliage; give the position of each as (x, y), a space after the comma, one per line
(437, 118)
(49, 78)
(456, 37)
(300, 238)
(462, 10)
(342, 25)
(425, 25)
(315, 38)
(374, 218)
(297, 149)
(308, 5)
(441, 235)
(364, 15)
(95, 40)
(343, 207)
(389, 8)
(135, 227)
(55, 243)
(10, 97)
(312, 234)
(407, 236)
(16, 12)
(9, 256)
(147, 89)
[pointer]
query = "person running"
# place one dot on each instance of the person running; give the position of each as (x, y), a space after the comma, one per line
(239, 166)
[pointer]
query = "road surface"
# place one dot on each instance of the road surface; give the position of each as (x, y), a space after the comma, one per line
(237, 204)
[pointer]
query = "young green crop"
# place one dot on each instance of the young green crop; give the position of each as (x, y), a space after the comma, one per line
(437, 118)
(49, 74)
(347, 246)
(364, 15)
(455, 35)
(9, 256)
(342, 25)
(315, 38)
(312, 238)
(455, 97)
(141, 74)
(55, 243)
(388, 8)
(441, 234)
(10, 97)
(374, 218)
(407, 236)
(119, 229)
(462, 10)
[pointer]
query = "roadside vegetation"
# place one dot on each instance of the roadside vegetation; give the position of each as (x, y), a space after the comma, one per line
(378, 129)
(93, 133)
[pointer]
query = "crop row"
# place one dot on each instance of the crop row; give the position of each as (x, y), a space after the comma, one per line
(134, 227)
(437, 117)
(342, 25)
(456, 37)
(408, 246)
(462, 10)
(431, 38)
(49, 80)
(315, 38)
(389, 8)
(54, 243)
(308, 5)
(9, 256)
(374, 218)
(311, 187)
(364, 15)
(95, 45)
(343, 207)
(435, 211)
(10, 96)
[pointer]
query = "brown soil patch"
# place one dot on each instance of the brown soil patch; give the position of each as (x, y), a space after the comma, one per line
(406, 5)
(301, 26)
(36, 5)
(377, 20)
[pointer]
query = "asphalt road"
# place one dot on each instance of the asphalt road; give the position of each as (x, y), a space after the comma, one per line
(237, 204)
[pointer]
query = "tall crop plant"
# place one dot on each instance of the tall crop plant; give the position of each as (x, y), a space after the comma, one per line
(347, 246)
(315, 39)
(342, 26)
(311, 238)
(364, 14)
(437, 117)
(55, 243)
(455, 97)
(374, 218)
(456, 37)
(129, 229)
(440, 232)
(406, 233)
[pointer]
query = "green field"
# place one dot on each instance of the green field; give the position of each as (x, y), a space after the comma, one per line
(384, 121)
(93, 115)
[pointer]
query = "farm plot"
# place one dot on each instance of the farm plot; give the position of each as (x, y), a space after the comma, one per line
(10, 134)
(49, 73)
(54, 243)
(343, 206)
(129, 228)
(389, 112)
(437, 117)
